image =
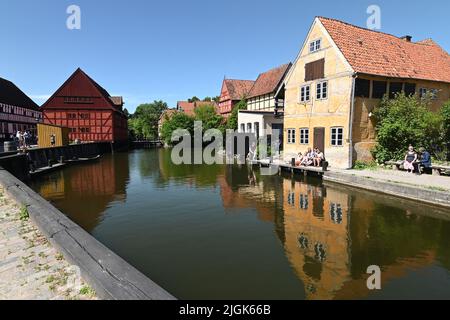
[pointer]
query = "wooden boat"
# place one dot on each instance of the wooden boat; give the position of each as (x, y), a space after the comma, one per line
(84, 160)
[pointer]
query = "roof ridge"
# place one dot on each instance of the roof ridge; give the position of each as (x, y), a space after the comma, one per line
(359, 27)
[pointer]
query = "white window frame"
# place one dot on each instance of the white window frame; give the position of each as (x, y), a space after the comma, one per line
(304, 136)
(291, 136)
(315, 45)
(424, 91)
(320, 92)
(335, 132)
(303, 95)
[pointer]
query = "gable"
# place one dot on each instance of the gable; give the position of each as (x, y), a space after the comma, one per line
(80, 91)
(334, 60)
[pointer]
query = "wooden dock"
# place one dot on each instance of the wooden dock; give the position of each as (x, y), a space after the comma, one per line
(285, 167)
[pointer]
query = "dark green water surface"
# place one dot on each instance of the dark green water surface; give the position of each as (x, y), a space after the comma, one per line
(226, 232)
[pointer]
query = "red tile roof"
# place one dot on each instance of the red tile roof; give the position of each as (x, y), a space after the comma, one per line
(377, 53)
(237, 89)
(268, 82)
(189, 107)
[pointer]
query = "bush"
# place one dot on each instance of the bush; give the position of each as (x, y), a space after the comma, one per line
(445, 115)
(178, 120)
(403, 121)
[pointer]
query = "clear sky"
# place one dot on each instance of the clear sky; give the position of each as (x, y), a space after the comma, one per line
(171, 50)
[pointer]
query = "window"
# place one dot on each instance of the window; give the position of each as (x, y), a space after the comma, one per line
(85, 116)
(410, 89)
(304, 202)
(305, 93)
(322, 90)
(256, 126)
(432, 93)
(242, 127)
(304, 136)
(379, 89)
(337, 136)
(315, 70)
(291, 198)
(362, 88)
(291, 136)
(394, 89)
(249, 127)
(315, 45)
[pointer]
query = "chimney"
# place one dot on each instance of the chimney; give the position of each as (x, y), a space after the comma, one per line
(406, 38)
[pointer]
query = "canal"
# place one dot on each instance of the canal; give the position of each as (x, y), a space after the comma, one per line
(226, 232)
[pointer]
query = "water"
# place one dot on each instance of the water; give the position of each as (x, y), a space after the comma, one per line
(225, 232)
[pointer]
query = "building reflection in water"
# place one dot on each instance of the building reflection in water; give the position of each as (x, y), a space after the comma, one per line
(84, 192)
(330, 234)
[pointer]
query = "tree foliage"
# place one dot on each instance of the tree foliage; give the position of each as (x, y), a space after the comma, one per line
(403, 121)
(445, 115)
(207, 114)
(143, 124)
(233, 119)
(178, 120)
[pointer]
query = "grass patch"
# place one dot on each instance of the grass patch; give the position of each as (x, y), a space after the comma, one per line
(365, 165)
(87, 291)
(24, 214)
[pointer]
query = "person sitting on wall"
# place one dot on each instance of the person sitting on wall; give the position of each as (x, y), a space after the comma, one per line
(425, 160)
(410, 159)
(308, 159)
(319, 157)
(299, 159)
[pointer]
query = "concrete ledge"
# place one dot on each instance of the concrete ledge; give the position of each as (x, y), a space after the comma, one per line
(395, 189)
(109, 275)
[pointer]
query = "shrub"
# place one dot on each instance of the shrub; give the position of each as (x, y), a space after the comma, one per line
(403, 121)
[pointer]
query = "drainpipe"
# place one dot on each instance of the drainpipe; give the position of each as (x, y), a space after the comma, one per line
(351, 118)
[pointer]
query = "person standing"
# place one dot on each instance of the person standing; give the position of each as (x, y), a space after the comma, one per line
(52, 140)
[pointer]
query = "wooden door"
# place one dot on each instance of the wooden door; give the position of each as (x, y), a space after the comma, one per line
(319, 139)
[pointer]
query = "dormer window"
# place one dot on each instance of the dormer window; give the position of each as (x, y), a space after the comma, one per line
(315, 45)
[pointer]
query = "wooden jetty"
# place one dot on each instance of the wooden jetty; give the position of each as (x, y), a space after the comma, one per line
(286, 167)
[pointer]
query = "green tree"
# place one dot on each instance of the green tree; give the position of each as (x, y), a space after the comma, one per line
(144, 122)
(193, 99)
(445, 115)
(207, 99)
(209, 117)
(233, 119)
(403, 121)
(179, 120)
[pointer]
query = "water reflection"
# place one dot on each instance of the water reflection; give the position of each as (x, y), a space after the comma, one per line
(84, 192)
(328, 234)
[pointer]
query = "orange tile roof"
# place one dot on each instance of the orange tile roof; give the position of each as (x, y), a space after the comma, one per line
(268, 82)
(189, 107)
(377, 53)
(237, 89)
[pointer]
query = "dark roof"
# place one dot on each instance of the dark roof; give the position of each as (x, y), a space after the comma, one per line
(238, 89)
(377, 53)
(10, 94)
(269, 81)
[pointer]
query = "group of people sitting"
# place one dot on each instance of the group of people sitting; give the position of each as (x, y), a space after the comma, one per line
(415, 161)
(312, 157)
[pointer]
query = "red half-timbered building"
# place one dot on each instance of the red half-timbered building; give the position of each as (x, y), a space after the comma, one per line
(232, 92)
(17, 111)
(90, 112)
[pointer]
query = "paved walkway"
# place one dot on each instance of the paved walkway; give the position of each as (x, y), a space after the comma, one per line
(30, 268)
(430, 182)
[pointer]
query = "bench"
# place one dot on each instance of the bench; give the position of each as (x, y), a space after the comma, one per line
(436, 169)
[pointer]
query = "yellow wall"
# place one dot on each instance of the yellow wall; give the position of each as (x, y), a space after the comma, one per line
(331, 112)
(45, 131)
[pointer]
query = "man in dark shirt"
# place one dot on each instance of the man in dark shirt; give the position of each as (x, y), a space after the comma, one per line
(425, 159)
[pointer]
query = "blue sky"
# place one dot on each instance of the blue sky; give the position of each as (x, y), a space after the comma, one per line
(171, 50)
